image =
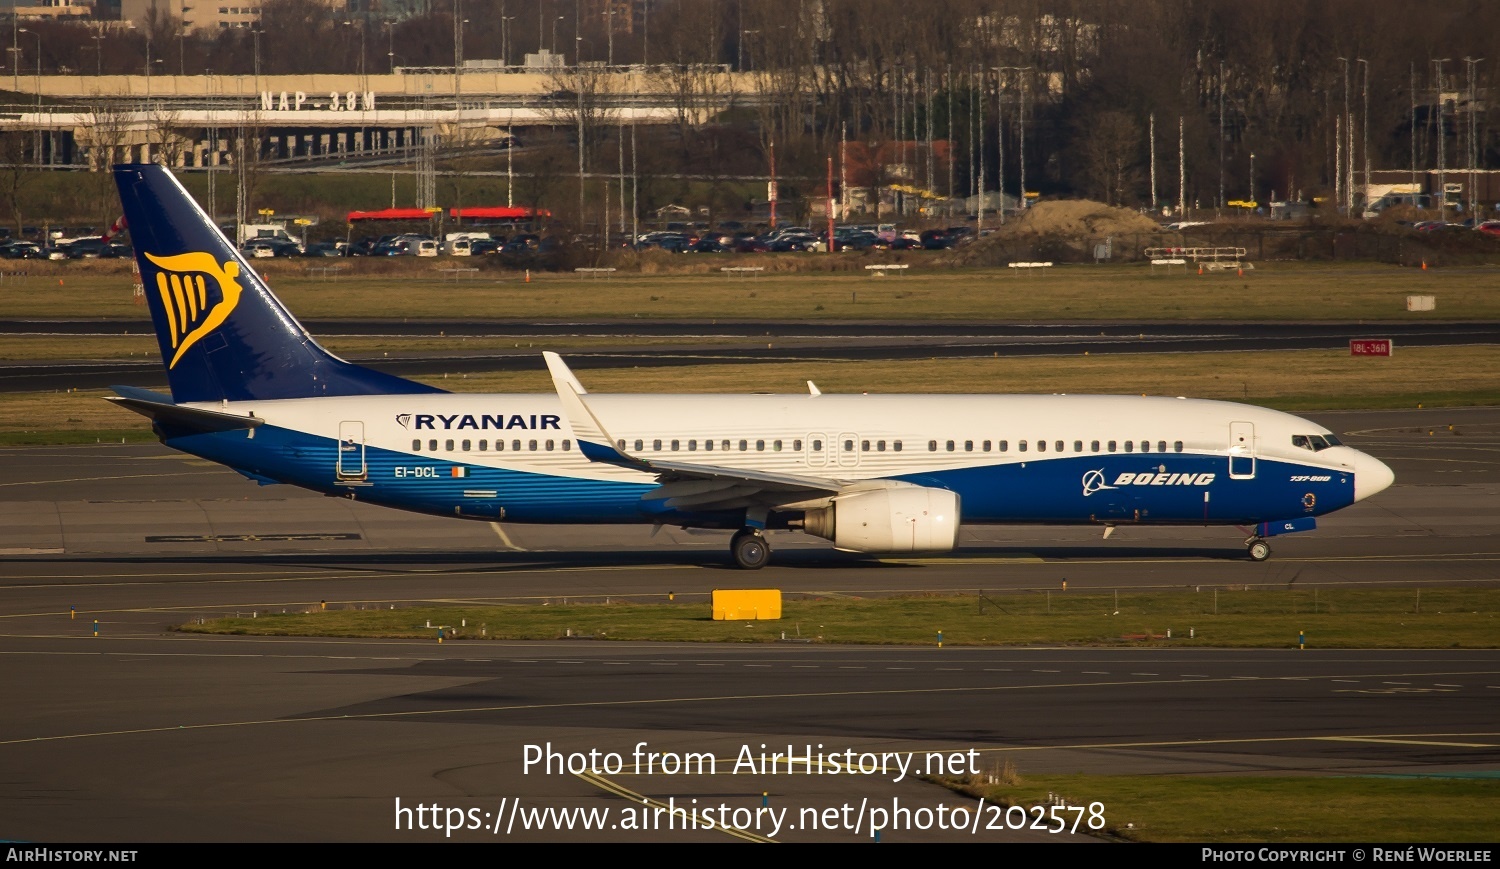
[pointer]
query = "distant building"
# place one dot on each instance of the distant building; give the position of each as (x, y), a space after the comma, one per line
(54, 9)
(202, 15)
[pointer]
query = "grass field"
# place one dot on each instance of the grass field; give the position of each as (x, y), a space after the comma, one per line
(418, 290)
(1214, 616)
(1297, 380)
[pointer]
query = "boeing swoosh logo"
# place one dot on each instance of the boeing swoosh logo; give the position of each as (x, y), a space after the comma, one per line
(1093, 481)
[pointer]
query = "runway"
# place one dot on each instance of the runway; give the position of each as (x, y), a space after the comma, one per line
(140, 734)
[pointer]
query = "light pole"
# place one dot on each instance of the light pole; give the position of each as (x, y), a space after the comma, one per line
(1365, 138)
(743, 34)
(390, 43)
(458, 41)
(98, 54)
(1252, 178)
(38, 140)
(182, 42)
(554, 32)
(1442, 133)
(1473, 146)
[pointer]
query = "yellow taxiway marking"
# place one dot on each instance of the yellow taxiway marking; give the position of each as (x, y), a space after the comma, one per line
(505, 538)
(1405, 741)
(618, 790)
(96, 479)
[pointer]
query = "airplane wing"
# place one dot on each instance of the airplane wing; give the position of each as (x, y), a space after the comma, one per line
(684, 485)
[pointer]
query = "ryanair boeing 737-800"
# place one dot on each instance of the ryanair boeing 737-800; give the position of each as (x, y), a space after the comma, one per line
(873, 473)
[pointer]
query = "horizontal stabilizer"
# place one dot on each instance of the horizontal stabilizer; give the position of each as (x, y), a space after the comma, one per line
(159, 407)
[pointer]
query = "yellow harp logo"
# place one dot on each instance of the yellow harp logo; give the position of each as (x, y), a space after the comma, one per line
(185, 296)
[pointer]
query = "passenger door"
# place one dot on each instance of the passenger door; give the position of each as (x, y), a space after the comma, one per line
(1242, 451)
(351, 458)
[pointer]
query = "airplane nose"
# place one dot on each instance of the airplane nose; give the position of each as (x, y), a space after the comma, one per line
(1371, 476)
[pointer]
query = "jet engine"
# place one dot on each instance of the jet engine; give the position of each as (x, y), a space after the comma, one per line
(901, 519)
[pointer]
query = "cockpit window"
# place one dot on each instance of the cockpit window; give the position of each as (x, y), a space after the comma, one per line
(1315, 443)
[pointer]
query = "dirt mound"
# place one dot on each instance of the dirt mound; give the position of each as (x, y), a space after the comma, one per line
(1066, 230)
(1079, 217)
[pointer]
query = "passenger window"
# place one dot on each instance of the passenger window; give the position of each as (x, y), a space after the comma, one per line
(1041, 446)
(1130, 446)
(515, 445)
(797, 445)
(531, 445)
(880, 446)
(1059, 446)
(932, 446)
(621, 444)
(1111, 446)
(776, 446)
(550, 444)
(1021, 446)
(864, 446)
(1145, 446)
(484, 445)
(693, 445)
(760, 446)
(848, 446)
(986, 446)
(744, 445)
(675, 445)
(1161, 446)
(897, 445)
(817, 446)
(467, 444)
(416, 445)
(708, 444)
(656, 445)
(1093, 446)
(432, 446)
(968, 446)
(448, 445)
(725, 446)
(639, 445)
(1077, 446)
(1177, 447)
(950, 446)
(1005, 446)
(567, 444)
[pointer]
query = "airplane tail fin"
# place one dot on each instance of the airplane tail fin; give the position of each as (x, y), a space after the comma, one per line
(223, 334)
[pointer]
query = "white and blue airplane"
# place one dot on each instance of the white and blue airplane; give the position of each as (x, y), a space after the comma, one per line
(873, 473)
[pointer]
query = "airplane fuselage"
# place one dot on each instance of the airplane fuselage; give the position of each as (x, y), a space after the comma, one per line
(1050, 459)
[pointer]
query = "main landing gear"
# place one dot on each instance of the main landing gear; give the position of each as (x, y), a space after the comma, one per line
(750, 549)
(1257, 549)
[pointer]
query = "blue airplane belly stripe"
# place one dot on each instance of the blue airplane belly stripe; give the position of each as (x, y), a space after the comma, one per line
(1168, 488)
(426, 483)
(1179, 488)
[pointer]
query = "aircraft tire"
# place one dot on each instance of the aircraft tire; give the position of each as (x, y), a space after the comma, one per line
(1258, 550)
(750, 549)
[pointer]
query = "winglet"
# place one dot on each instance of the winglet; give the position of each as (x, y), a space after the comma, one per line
(812, 388)
(593, 441)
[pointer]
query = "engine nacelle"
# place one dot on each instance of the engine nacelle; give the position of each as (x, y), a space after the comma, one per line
(902, 519)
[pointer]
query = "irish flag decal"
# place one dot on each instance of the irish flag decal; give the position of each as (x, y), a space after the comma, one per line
(460, 472)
